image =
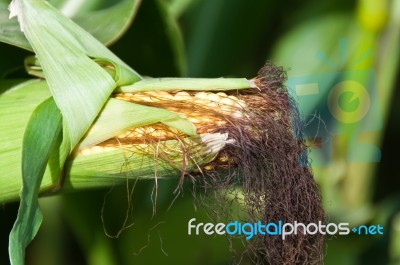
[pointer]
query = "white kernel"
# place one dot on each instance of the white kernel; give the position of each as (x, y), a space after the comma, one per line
(237, 114)
(212, 105)
(182, 96)
(158, 133)
(226, 109)
(227, 101)
(143, 97)
(163, 95)
(200, 101)
(240, 103)
(207, 119)
(201, 95)
(125, 134)
(233, 98)
(109, 148)
(213, 97)
(97, 149)
(194, 120)
(86, 151)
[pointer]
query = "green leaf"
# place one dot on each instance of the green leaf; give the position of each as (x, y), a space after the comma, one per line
(325, 32)
(159, 50)
(63, 47)
(9, 30)
(177, 7)
(42, 135)
(106, 24)
(174, 36)
(220, 43)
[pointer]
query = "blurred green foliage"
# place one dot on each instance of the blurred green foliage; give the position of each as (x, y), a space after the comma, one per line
(234, 38)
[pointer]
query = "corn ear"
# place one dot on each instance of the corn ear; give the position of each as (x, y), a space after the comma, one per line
(107, 155)
(149, 134)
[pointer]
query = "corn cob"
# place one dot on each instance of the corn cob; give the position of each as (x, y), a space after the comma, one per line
(210, 112)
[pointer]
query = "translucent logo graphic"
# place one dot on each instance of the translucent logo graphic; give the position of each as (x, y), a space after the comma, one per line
(280, 229)
(340, 104)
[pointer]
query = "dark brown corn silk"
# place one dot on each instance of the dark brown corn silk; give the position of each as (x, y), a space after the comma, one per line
(266, 156)
(277, 182)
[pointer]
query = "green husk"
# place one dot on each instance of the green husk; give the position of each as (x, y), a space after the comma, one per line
(108, 168)
(197, 84)
(119, 116)
(16, 106)
(93, 170)
(63, 47)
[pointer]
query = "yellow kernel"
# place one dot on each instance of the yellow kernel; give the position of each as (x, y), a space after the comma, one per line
(223, 159)
(208, 167)
(122, 97)
(221, 123)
